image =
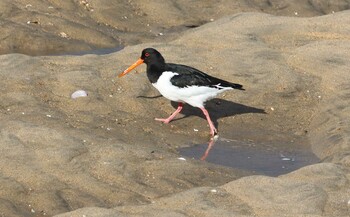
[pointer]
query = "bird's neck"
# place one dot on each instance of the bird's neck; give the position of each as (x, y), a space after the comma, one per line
(154, 71)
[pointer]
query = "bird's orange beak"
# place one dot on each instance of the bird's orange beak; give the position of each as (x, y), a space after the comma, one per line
(126, 71)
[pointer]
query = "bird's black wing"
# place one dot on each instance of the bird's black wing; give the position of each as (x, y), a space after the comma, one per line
(188, 76)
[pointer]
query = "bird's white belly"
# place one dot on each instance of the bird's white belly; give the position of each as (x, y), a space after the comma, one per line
(193, 95)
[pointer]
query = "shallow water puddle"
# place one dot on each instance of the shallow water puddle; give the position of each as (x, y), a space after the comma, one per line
(245, 156)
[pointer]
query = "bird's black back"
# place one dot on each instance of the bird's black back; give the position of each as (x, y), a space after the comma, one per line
(188, 76)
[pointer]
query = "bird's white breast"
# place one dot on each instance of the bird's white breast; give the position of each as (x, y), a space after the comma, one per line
(193, 95)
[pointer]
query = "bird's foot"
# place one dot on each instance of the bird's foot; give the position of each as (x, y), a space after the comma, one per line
(165, 121)
(213, 132)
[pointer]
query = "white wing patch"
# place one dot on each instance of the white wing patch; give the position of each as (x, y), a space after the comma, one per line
(218, 86)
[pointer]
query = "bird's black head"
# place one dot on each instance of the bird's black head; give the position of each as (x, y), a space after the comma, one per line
(151, 55)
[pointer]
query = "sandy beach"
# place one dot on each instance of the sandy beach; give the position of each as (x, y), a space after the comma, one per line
(283, 147)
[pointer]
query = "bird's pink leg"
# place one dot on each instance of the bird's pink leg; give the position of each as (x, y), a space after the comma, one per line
(213, 130)
(171, 117)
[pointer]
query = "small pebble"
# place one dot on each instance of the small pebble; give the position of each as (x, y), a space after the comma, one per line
(63, 35)
(49, 116)
(216, 137)
(272, 109)
(79, 93)
(34, 22)
(213, 191)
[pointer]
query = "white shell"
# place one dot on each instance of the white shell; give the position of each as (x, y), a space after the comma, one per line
(79, 93)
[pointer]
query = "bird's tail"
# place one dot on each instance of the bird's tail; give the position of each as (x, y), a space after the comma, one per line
(237, 86)
(223, 83)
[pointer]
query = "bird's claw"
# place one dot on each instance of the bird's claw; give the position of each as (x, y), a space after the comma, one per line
(165, 121)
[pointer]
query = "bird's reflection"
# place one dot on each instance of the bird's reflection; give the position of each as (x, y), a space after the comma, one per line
(211, 143)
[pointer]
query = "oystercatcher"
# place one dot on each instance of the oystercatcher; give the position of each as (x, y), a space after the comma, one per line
(182, 84)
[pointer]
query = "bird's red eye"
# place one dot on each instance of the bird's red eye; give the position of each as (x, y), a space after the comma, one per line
(147, 54)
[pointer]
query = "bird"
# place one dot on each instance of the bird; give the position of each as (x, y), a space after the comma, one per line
(181, 83)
